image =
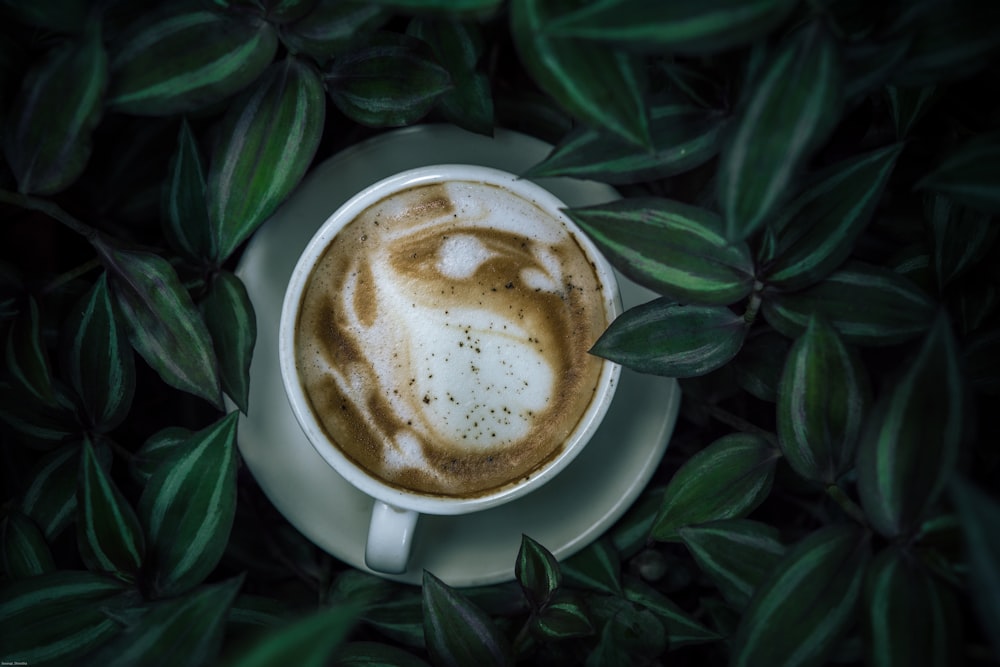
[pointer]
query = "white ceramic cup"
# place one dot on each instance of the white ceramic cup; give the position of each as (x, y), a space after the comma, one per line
(395, 510)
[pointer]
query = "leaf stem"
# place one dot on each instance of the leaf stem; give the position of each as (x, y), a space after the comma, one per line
(849, 506)
(71, 275)
(50, 209)
(740, 424)
(754, 305)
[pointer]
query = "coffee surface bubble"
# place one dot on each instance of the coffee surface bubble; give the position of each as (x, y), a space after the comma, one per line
(442, 338)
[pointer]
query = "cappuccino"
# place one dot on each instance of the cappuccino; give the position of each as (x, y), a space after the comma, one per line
(442, 338)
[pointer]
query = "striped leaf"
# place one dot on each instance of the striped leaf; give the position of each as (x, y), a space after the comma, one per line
(969, 174)
(823, 399)
(681, 628)
(25, 414)
(108, 533)
(910, 618)
(100, 364)
(597, 568)
(58, 616)
(789, 113)
(866, 304)
(565, 617)
(310, 640)
(683, 137)
(390, 81)
(159, 449)
(962, 236)
(596, 84)
(230, 318)
(458, 633)
(183, 59)
(725, 480)
(686, 26)
(673, 248)
(666, 338)
(807, 604)
(629, 633)
(163, 324)
(817, 231)
(185, 214)
(911, 441)
(50, 125)
(281, 11)
(736, 554)
(50, 499)
(184, 630)
(909, 105)
(537, 570)
(25, 553)
(26, 356)
(375, 654)
(255, 166)
(187, 510)
(331, 26)
(979, 513)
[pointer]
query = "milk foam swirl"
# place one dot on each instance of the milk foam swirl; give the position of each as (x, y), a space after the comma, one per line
(443, 336)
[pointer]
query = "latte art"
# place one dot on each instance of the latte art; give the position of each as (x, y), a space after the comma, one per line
(442, 338)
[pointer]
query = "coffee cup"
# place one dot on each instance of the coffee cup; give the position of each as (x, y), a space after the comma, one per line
(433, 345)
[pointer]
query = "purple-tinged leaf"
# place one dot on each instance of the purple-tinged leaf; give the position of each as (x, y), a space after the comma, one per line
(537, 570)
(332, 26)
(457, 632)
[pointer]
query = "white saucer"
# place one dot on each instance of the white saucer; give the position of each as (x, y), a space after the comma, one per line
(475, 549)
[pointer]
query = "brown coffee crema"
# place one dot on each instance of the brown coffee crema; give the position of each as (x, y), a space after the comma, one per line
(442, 338)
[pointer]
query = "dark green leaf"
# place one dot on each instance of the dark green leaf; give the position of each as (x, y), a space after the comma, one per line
(973, 305)
(667, 338)
(156, 451)
(908, 106)
(50, 499)
(736, 554)
(401, 617)
(980, 516)
(911, 618)
(251, 613)
(109, 536)
(443, 6)
(49, 126)
(869, 65)
(373, 654)
(596, 568)
(163, 324)
(683, 138)
(332, 26)
(25, 414)
(58, 616)
(681, 628)
(823, 399)
(981, 354)
(254, 167)
(25, 553)
(673, 248)
(969, 174)
(11, 290)
(817, 231)
(758, 365)
(457, 632)
(727, 479)
(182, 59)
(911, 441)
(100, 364)
(26, 356)
(962, 236)
(788, 114)
(564, 618)
(185, 214)
(866, 304)
(807, 604)
(631, 633)
(230, 318)
(631, 533)
(57, 15)
(537, 571)
(187, 509)
(307, 642)
(599, 86)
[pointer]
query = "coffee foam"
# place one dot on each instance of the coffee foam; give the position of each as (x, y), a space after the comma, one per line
(443, 338)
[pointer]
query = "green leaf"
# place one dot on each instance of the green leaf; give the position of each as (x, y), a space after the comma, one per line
(25, 553)
(25, 414)
(163, 324)
(866, 304)
(596, 568)
(230, 318)
(817, 231)
(26, 356)
(911, 618)
(182, 59)
(969, 174)
(563, 618)
(683, 137)
(631, 634)
(458, 633)
(980, 516)
(631, 533)
(254, 166)
(667, 338)
(50, 499)
(58, 616)
(962, 236)
(307, 642)
(188, 507)
(374, 654)
(400, 618)
(727, 479)
(788, 114)
(185, 213)
(332, 26)
(183, 630)
(673, 248)
(908, 106)
(109, 536)
(911, 440)
(599, 86)
(807, 604)
(100, 364)
(823, 399)
(736, 554)
(758, 364)
(53, 116)
(159, 449)
(537, 571)
(391, 81)
(681, 628)
(706, 26)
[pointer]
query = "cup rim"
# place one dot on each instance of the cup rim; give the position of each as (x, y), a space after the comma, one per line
(356, 475)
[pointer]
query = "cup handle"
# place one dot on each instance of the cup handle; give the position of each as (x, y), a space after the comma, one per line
(390, 536)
